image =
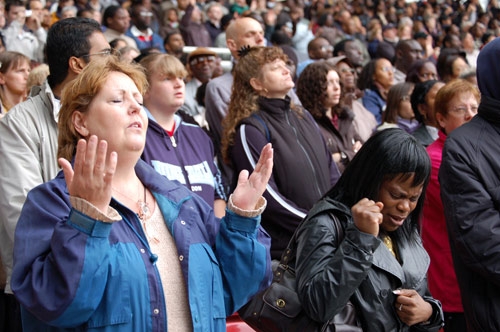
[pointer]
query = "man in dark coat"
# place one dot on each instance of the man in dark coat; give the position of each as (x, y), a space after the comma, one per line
(470, 189)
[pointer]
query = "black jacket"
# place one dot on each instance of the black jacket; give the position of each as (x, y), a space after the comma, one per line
(361, 269)
(470, 190)
(303, 168)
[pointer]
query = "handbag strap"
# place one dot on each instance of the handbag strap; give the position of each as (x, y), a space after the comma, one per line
(289, 253)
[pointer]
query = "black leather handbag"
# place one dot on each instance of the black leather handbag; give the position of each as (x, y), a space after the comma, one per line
(278, 308)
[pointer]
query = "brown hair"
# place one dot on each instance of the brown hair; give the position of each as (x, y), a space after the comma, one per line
(10, 61)
(165, 64)
(243, 97)
(312, 86)
(79, 93)
(396, 94)
(449, 91)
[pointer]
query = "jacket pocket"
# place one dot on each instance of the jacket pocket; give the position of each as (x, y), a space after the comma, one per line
(205, 282)
(115, 306)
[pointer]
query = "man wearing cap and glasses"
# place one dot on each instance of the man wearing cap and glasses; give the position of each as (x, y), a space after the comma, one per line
(201, 64)
(141, 31)
(28, 144)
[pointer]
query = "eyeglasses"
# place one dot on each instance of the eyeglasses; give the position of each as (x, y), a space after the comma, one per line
(388, 69)
(327, 48)
(201, 59)
(347, 70)
(406, 98)
(105, 52)
(146, 14)
(464, 110)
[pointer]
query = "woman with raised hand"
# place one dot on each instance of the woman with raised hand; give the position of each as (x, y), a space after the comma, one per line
(111, 245)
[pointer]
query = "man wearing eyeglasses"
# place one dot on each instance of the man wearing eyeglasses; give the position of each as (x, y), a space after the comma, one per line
(201, 65)
(28, 143)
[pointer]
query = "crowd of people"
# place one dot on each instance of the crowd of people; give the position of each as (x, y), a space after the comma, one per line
(137, 153)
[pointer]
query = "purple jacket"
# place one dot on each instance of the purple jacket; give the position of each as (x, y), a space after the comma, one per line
(187, 157)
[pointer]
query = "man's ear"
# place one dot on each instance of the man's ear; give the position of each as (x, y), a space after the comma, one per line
(231, 45)
(76, 65)
(79, 122)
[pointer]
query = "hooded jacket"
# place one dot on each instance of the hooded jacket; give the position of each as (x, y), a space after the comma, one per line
(470, 190)
(187, 156)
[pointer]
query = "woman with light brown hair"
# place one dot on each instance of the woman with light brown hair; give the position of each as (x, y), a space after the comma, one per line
(456, 103)
(14, 71)
(111, 245)
(261, 112)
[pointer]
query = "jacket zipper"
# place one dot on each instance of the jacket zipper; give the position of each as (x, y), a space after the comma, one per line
(182, 166)
(305, 152)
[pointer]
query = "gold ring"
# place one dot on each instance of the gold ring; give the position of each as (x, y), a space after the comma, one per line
(400, 306)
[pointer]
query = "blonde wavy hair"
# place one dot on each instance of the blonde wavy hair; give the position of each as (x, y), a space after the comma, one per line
(244, 98)
(79, 93)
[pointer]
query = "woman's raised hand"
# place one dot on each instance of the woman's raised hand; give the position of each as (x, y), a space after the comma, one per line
(367, 216)
(250, 189)
(92, 175)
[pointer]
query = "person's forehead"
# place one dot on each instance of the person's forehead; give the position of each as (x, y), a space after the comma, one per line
(382, 62)
(351, 45)
(122, 12)
(97, 41)
(16, 8)
(176, 37)
(249, 26)
(36, 4)
(320, 42)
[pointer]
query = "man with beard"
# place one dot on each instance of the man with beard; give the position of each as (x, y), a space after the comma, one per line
(141, 30)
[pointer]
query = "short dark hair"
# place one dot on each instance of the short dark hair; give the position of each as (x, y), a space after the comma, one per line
(390, 153)
(67, 38)
(13, 3)
(170, 34)
(340, 46)
(109, 12)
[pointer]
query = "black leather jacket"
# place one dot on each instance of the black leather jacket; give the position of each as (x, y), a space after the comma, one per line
(361, 269)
